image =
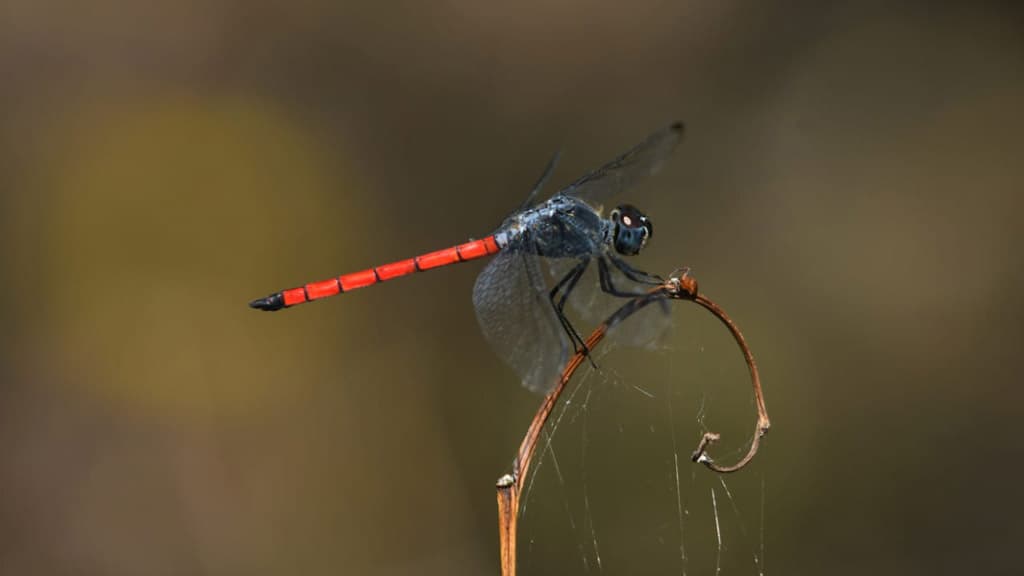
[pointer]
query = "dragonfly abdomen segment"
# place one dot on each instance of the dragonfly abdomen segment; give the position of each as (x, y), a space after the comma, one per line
(346, 282)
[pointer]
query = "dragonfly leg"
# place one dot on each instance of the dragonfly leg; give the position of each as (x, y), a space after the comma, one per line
(565, 285)
(568, 282)
(634, 274)
(608, 286)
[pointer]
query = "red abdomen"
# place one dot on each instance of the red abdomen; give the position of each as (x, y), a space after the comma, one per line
(346, 282)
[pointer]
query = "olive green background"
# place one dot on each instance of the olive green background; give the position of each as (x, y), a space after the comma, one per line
(849, 188)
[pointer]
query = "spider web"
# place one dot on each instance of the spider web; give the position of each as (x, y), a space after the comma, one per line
(612, 488)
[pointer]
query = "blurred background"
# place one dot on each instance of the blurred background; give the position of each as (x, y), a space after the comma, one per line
(849, 189)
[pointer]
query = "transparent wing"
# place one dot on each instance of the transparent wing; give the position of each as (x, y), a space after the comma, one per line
(516, 318)
(531, 199)
(589, 303)
(625, 171)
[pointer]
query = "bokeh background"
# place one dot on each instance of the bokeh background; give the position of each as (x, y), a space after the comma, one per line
(849, 189)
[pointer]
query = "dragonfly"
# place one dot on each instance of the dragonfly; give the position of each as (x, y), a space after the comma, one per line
(520, 313)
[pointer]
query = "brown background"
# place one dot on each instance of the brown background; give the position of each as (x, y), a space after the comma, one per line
(849, 189)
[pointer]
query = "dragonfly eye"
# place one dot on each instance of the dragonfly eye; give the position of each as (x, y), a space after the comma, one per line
(631, 229)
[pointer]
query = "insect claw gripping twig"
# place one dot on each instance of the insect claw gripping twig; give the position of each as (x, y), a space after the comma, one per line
(584, 350)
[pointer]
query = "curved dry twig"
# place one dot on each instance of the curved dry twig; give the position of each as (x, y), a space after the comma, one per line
(763, 423)
(679, 286)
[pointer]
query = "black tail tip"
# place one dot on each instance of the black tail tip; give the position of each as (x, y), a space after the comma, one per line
(268, 304)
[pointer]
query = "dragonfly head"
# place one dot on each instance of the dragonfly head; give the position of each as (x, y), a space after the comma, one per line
(630, 229)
